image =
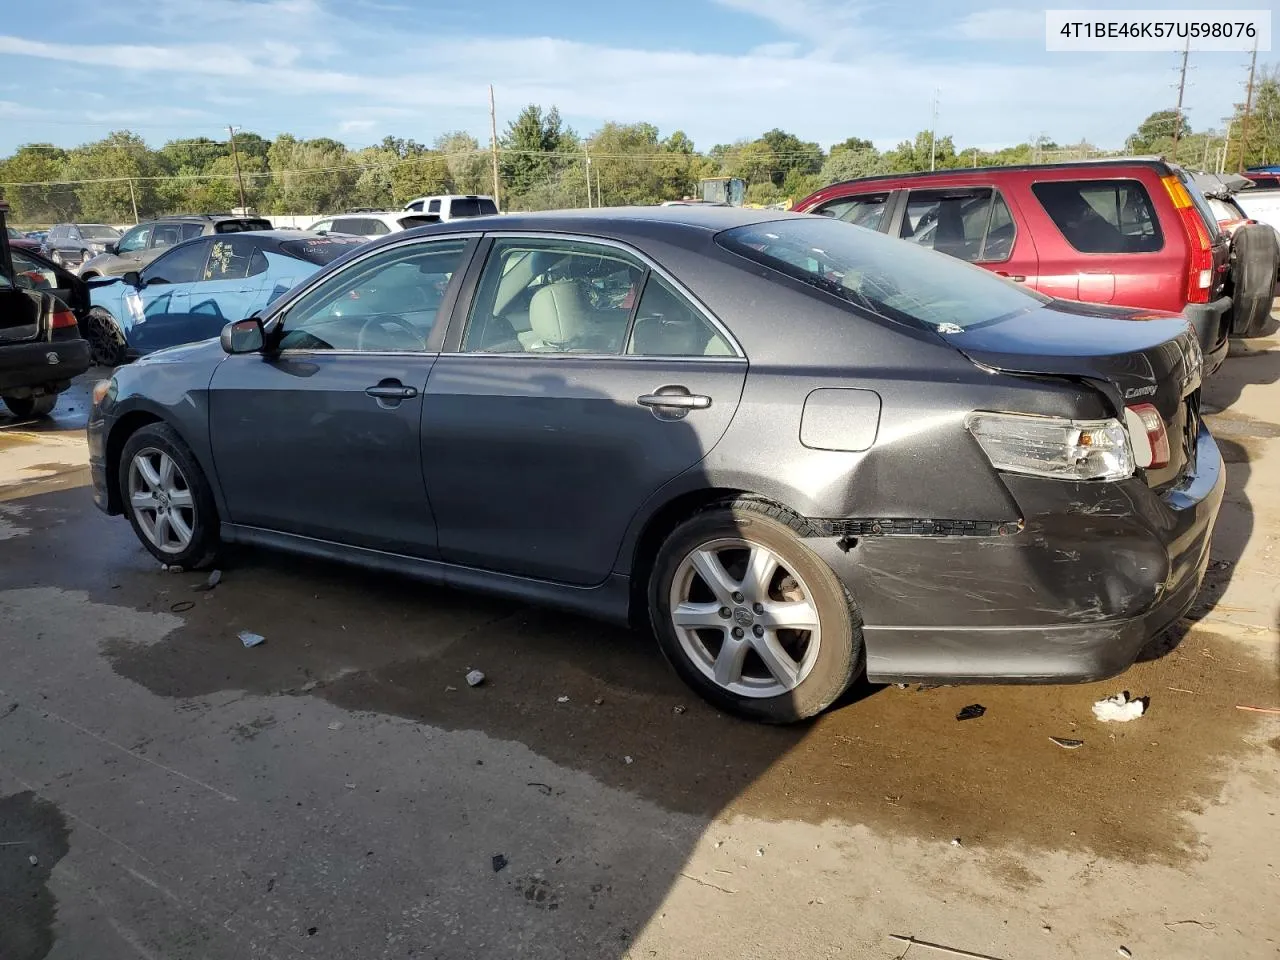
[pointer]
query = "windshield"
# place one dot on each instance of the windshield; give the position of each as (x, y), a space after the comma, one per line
(321, 250)
(896, 280)
(96, 231)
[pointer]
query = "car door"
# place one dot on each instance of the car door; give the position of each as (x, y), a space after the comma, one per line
(33, 271)
(130, 249)
(319, 436)
(578, 379)
(157, 311)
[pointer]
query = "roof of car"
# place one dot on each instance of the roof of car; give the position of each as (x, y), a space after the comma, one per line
(1155, 162)
(209, 216)
(606, 219)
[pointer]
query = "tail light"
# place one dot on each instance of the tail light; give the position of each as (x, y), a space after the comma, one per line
(1200, 282)
(62, 319)
(1053, 447)
(1147, 434)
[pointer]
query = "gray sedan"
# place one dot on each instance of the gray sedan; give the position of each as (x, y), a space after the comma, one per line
(799, 450)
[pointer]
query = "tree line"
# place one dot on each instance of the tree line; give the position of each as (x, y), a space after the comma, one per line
(543, 164)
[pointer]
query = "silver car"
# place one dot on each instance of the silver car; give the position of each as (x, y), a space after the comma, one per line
(71, 244)
(143, 243)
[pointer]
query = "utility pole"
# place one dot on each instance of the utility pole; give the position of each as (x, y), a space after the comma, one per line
(1248, 105)
(933, 132)
(587, 157)
(493, 145)
(235, 155)
(133, 200)
(1182, 86)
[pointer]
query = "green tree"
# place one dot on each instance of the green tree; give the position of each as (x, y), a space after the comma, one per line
(468, 164)
(792, 154)
(534, 148)
(1263, 131)
(1156, 132)
(852, 163)
(37, 164)
(852, 143)
(109, 168)
(309, 176)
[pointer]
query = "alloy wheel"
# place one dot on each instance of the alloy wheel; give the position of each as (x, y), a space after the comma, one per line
(744, 619)
(161, 500)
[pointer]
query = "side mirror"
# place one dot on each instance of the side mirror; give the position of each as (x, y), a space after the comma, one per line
(133, 279)
(112, 248)
(243, 336)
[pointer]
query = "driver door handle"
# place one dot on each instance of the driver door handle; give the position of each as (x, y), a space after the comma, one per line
(392, 391)
(683, 401)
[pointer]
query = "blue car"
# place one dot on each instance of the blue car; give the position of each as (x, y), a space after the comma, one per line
(194, 289)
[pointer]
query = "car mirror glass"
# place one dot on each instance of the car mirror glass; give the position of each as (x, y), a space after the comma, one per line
(132, 278)
(243, 336)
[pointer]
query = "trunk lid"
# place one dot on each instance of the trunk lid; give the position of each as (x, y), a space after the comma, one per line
(1131, 356)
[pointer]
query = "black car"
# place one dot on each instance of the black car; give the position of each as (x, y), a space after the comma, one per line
(798, 449)
(40, 344)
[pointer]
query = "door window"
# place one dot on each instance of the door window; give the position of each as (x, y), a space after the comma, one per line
(321, 226)
(135, 239)
(865, 211)
(433, 206)
(184, 264)
(230, 258)
(1102, 216)
(31, 273)
(192, 230)
(553, 296)
(973, 225)
(385, 303)
(166, 235)
(668, 325)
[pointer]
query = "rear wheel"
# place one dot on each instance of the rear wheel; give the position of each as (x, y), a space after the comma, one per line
(56, 257)
(26, 407)
(106, 342)
(751, 618)
(1255, 256)
(168, 498)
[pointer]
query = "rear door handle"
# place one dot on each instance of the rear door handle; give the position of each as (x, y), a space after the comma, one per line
(682, 401)
(1015, 277)
(393, 390)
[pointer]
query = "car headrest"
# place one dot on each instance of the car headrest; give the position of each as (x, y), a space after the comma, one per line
(558, 313)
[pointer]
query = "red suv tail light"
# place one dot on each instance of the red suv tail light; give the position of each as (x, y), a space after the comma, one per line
(62, 319)
(1200, 282)
(1147, 434)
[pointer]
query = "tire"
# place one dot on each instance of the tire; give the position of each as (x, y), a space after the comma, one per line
(56, 257)
(106, 342)
(184, 493)
(24, 408)
(1255, 257)
(745, 684)
(85, 257)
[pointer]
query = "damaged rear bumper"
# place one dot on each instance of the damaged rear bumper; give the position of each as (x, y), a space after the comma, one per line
(1092, 574)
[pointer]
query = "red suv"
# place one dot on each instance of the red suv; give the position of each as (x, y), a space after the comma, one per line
(1132, 232)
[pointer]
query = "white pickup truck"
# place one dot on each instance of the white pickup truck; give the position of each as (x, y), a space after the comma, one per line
(1261, 205)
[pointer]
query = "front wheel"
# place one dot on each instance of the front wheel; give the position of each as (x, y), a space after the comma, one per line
(24, 408)
(751, 618)
(106, 342)
(167, 498)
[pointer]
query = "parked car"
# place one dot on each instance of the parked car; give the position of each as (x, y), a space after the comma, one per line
(20, 241)
(40, 344)
(71, 244)
(797, 450)
(371, 223)
(191, 290)
(454, 206)
(143, 243)
(1133, 231)
(37, 235)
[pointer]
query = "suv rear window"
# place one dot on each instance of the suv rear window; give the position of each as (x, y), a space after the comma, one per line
(321, 250)
(877, 273)
(470, 207)
(1102, 216)
(240, 226)
(967, 224)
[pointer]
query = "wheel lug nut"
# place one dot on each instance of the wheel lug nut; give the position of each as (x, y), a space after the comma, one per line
(758, 607)
(737, 598)
(758, 630)
(737, 633)
(724, 612)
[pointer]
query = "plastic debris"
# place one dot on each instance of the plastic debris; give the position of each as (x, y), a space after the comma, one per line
(678, 709)
(499, 863)
(1067, 743)
(628, 760)
(759, 851)
(33, 860)
(450, 689)
(251, 639)
(1120, 708)
(336, 725)
(172, 568)
(182, 606)
(972, 712)
(562, 699)
(1124, 952)
(475, 678)
(215, 578)
(955, 841)
(598, 701)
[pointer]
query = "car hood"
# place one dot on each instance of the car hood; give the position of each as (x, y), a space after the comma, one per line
(202, 351)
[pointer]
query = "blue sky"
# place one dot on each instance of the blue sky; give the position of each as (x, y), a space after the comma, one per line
(720, 70)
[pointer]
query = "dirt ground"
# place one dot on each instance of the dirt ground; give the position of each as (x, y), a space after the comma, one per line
(340, 791)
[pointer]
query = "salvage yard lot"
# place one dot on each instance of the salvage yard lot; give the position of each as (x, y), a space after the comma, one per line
(340, 791)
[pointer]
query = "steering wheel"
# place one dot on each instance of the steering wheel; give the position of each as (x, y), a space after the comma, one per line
(379, 320)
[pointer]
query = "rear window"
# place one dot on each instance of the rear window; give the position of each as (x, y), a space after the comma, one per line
(969, 224)
(321, 250)
(408, 223)
(1102, 216)
(471, 207)
(240, 226)
(865, 211)
(895, 280)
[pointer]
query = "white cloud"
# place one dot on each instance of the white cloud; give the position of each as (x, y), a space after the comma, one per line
(356, 126)
(1000, 24)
